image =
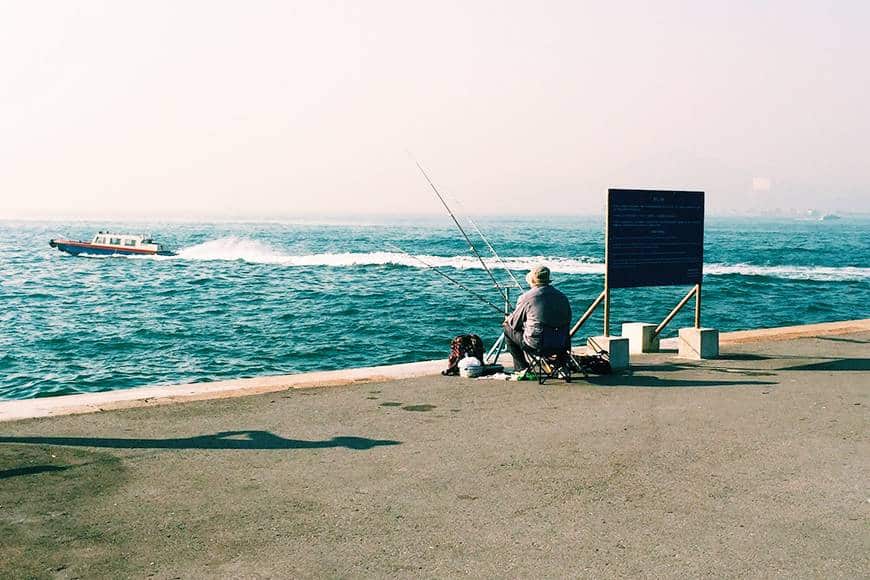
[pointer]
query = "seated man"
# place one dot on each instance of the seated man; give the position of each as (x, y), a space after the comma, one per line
(541, 306)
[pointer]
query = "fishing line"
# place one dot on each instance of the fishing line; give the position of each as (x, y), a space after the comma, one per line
(431, 267)
(461, 229)
(494, 253)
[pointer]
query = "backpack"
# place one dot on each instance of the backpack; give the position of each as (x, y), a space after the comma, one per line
(460, 347)
(596, 364)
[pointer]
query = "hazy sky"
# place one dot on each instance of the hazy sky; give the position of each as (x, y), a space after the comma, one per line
(274, 109)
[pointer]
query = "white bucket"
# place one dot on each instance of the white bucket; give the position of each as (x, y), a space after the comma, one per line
(470, 367)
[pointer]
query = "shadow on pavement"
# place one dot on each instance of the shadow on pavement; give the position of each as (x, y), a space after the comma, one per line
(648, 381)
(668, 367)
(33, 470)
(842, 364)
(662, 368)
(223, 440)
(743, 356)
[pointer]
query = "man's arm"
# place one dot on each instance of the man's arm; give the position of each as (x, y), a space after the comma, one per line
(517, 318)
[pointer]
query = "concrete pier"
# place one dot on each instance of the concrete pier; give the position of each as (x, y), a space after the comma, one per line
(754, 464)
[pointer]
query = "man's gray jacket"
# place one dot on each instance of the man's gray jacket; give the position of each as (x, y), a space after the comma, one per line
(539, 307)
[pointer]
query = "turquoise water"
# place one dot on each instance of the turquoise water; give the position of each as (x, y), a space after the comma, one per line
(248, 299)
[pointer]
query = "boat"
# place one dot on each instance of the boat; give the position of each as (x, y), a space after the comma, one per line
(828, 217)
(112, 244)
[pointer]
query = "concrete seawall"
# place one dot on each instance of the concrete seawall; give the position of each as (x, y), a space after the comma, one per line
(162, 395)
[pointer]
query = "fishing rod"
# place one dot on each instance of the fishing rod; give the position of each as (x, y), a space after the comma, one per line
(465, 235)
(433, 268)
(499, 345)
(494, 253)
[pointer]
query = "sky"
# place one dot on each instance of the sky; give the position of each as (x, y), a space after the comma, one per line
(211, 109)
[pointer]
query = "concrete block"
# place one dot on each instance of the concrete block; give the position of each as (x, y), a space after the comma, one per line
(640, 337)
(616, 346)
(698, 343)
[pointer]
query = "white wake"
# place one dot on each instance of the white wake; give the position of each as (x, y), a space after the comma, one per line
(256, 252)
(818, 273)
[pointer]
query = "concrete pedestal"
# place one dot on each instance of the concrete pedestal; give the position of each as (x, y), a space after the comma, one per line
(616, 347)
(698, 343)
(640, 337)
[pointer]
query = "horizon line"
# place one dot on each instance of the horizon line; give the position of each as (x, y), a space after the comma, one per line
(374, 215)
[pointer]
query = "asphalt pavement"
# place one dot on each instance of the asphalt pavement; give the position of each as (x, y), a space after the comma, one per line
(752, 465)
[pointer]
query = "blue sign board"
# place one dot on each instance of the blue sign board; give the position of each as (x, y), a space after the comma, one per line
(654, 238)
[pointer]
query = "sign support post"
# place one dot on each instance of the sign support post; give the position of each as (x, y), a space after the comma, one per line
(695, 291)
(588, 313)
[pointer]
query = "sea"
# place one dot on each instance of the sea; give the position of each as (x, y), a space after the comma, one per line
(246, 299)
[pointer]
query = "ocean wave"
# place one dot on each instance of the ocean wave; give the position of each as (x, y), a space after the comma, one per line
(256, 252)
(817, 273)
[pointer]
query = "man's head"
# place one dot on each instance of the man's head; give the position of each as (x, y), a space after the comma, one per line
(539, 276)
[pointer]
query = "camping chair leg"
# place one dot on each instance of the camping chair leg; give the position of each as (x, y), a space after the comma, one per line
(555, 368)
(545, 370)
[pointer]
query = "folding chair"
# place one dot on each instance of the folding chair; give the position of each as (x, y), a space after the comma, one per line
(553, 359)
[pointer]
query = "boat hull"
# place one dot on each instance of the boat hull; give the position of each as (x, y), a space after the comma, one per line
(87, 249)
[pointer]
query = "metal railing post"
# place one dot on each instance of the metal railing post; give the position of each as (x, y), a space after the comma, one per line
(676, 309)
(587, 314)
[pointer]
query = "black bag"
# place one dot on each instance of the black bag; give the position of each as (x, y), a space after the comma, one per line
(595, 364)
(460, 347)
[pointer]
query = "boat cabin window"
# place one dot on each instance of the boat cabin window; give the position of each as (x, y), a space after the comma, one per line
(129, 242)
(115, 241)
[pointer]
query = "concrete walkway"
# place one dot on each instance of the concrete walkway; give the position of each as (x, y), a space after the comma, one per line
(752, 465)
